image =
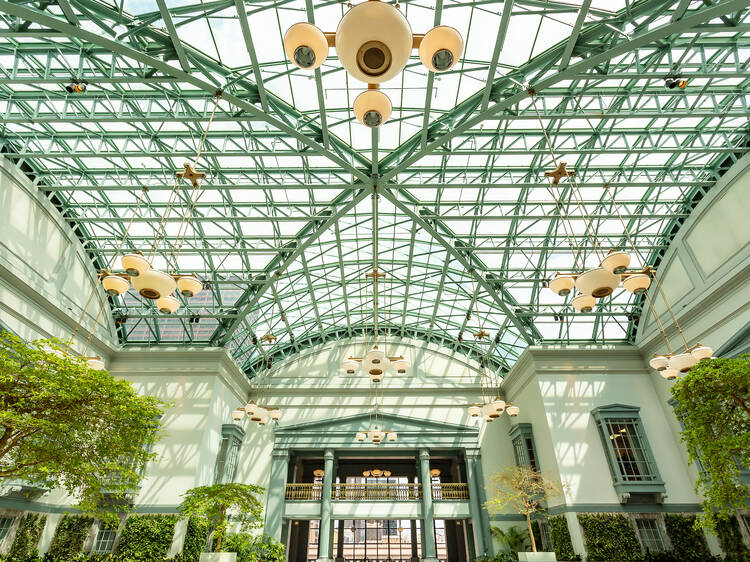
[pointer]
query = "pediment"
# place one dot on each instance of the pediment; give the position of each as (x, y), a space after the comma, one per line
(401, 424)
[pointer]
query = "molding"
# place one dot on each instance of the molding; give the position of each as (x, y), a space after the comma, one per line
(233, 430)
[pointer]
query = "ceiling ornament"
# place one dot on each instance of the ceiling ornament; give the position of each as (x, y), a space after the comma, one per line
(588, 284)
(373, 42)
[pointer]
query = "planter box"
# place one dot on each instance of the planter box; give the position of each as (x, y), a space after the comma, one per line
(537, 557)
(218, 557)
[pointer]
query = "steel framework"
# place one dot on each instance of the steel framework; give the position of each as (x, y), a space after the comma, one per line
(282, 232)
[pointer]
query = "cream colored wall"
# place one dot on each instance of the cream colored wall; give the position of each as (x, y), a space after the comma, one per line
(45, 276)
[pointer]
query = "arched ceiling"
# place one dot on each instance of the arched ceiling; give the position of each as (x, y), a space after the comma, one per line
(282, 231)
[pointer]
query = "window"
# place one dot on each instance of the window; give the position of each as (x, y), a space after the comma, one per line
(629, 456)
(229, 453)
(648, 530)
(105, 538)
(5, 525)
(524, 449)
(544, 535)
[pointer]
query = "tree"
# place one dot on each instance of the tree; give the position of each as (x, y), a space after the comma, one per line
(219, 503)
(65, 425)
(524, 490)
(713, 402)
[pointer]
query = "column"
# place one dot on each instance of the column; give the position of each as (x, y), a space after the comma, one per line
(324, 543)
(276, 493)
(474, 505)
(482, 498)
(428, 511)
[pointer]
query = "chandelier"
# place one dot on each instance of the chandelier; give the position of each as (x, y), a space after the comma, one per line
(613, 271)
(492, 406)
(373, 41)
(376, 473)
(376, 435)
(257, 409)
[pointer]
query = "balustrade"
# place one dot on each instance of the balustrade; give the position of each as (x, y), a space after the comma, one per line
(377, 491)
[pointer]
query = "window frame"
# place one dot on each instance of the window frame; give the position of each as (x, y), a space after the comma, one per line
(228, 455)
(658, 527)
(522, 439)
(625, 484)
(104, 528)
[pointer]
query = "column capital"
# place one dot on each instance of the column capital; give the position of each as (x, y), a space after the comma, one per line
(424, 454)
(329, 454)
(472, 453)
(280, 454)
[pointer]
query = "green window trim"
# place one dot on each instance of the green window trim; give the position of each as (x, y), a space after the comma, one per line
(631, 462)
(524, 448)
(228, 458)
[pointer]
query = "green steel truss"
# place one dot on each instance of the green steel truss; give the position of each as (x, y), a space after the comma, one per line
(468, 232)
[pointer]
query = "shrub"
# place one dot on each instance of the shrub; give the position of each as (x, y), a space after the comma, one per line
(70, 534)
(196, 537)
(147, 537)
(609, 536)
(688, 543)
(27, 536)
(560, 537)
(730, 538)
(254, 549)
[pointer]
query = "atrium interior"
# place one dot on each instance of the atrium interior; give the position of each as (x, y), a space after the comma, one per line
(367, 263)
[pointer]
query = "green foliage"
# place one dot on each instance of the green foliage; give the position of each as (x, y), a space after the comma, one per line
(713, 401)
(499, 557)
(70, 534)
(609, 536)
(146, 537)
(254, 548)
(220, 503)
(514, 539)
(196, 538)
(688, 543)
(523, 489)
(560, 537)
(27, 536)
(730, 538)
(63, 425)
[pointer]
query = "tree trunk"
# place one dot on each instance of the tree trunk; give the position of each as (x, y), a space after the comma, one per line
(531, 532)
(220, 526)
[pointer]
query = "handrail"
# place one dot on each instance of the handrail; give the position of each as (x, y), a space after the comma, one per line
(304, 492)
(377, 491)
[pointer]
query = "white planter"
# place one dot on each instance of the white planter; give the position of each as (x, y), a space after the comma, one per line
(218, 557)
(535, 557)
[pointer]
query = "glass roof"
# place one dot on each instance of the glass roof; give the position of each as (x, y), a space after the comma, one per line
(469, 231)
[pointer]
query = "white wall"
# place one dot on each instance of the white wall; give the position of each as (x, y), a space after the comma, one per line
(45, 276)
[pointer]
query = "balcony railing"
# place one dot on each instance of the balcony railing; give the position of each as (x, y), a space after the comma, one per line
(302, 492)
(377, 491)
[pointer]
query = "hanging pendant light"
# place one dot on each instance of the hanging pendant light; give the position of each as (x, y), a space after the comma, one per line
(372, 108)
(391, 436)
(702, 352)
(489, 410)
(305, 45)
(584, 303)
(682, 362)
(475, 410)
(513, 410)
(189, 285)
(597, 282)
(167, 305)
(498, 405)
(440, 49)
(153, 284)
(562, 284)
(251, 408)
(659, 362)
(361, 436)
(616, 262)
(135, 264)
(95, 363)
(669, 374)
(401, 366)
(115, 285)
(275, 414)
(637, 284)
(350, 366)
(238, 414)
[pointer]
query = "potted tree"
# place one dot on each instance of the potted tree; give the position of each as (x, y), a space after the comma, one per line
(219, 505)
(524, 490)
